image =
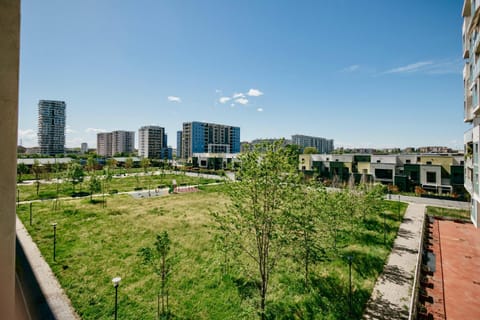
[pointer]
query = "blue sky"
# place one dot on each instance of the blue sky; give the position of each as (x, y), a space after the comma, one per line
(371, 73)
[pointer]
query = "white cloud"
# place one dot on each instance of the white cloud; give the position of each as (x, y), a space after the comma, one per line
(27, 137)
(28, 133)
(242, 101)
(174, 99)
(260, 109)
(409, 68)
(94, 130)
(224, 99)
(352, 68)
(218, 91)
(254, 93)
(232, 105)
(238, 95)
(68, 129)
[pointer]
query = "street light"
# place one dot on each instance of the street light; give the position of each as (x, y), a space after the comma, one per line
(350, 258)
(54, 239)
(384, 228)
(116, 282)
(31, 203)
(398, 207)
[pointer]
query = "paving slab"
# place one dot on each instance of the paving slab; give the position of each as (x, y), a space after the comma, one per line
(460, 251)
(391, 296)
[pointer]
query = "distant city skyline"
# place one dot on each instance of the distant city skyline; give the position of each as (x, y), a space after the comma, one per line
(372, 75)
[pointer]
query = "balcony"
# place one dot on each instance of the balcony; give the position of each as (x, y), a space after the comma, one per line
(468, 116)
(468, 186)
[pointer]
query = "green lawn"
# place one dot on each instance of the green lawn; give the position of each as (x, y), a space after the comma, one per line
(95, 244)
(446, 212)
(120, 184)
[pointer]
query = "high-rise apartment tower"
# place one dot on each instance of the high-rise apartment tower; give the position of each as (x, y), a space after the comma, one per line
(321, 144)
(152, 142)
(111, 143)
(201, 137)
(51, 127)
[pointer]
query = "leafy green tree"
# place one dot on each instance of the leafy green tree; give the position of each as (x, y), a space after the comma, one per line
(112, 164)
(37, 169)
(257, 217)
(94, 185)
(75, 174)
(145, 163)
(128, 164)
(107, 178)
(91, 163)
(310, 150)
(293, 152)
(22, 168)
(158, 258)
(307, 228)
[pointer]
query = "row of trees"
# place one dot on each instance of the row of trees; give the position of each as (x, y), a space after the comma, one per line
(274, 218)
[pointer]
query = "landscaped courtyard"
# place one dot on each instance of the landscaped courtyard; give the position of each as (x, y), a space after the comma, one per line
(95, 244)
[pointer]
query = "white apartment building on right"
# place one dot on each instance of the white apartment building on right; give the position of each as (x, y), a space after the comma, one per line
(471, 81)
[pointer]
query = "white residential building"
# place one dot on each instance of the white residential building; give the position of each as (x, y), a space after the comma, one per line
(471, 81)
(152, 142)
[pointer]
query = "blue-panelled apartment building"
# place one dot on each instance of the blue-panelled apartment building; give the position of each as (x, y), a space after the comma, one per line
(202, 137)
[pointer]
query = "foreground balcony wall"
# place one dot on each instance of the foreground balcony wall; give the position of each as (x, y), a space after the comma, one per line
(9, 62)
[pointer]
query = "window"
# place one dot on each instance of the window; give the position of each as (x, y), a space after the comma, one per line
(378, 161)
(431, 177)
(383, 174)
(429, 162)
(408, 161)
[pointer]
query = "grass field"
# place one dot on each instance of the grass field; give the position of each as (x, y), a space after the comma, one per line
(120, 184)
(446, 212)
(95, 244)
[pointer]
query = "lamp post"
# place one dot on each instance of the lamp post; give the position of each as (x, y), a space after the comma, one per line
(54, 239)
(31, 203)
(350, 258)
(398, 207)
(384, 228)
(116, 282)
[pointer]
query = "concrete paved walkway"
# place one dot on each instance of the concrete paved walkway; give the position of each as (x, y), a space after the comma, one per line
(392, 294)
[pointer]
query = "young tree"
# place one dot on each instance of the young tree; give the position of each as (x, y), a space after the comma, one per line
(37, 169)
(94, 185)
(128, 164)
(145, 163)
(158, 258)
(75, 174)
(91, 164)
(22, 168)
(112, 164)
(257, 217)
(306, 226)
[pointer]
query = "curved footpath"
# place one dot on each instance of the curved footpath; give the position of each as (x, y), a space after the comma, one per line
(392, 295)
